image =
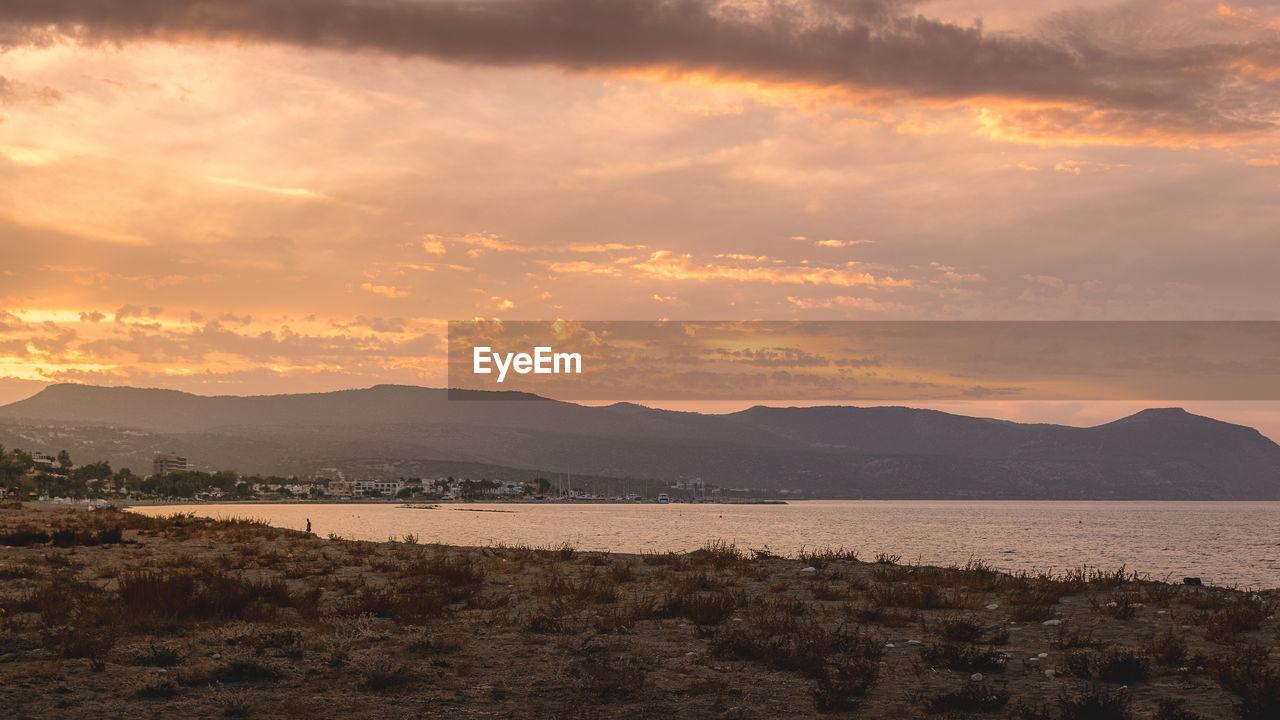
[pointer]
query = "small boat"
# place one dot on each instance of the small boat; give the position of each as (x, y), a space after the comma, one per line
(663, 499)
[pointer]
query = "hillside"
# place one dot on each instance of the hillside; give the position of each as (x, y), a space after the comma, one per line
(827, 451)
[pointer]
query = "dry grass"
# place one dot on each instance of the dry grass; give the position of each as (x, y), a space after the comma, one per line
(234, 618)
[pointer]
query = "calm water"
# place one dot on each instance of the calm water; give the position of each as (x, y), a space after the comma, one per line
(1226, 543)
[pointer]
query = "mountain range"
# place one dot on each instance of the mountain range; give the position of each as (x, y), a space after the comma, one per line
(831, 452)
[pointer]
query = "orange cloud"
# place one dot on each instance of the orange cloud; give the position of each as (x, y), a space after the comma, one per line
(387, 291)
(1081, 126)
(665, 266)
(581, 266)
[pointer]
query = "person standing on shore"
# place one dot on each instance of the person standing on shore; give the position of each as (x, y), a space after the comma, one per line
(308, 526)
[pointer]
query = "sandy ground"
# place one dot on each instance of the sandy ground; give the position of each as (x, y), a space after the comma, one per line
(112, 614)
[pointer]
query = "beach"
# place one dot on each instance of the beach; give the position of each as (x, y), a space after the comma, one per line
(105, 613)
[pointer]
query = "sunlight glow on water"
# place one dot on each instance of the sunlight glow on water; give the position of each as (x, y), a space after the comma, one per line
(1226, 543)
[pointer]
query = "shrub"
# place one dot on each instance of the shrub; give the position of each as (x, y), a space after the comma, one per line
(1247, 672)
(1245, 613)
(840, 686)
(68, 537)
(243, 670)
(971, 697)
(1110, 578)
(54, 599)
(1175, 709)
(1096, 704)
(1020, 711)
(877, 613)
(156, 593)
(459, 570)
(607, 679)
(550, 618)
(157, 656)
(563, 552)
(806, 649)
(383, 675)
(396, 604)
(1121, 665)
(971, 658)
(719, 554)
(1037, 593)
(1119, 606)
(621, 571)
(24, 536)
(664, 558)
(1066, 637)
(1078, 663)
(918, 597)
(160, 686)
(14, 571)
(1168, 650)
(958, 628)
(829, 591)
(703, 608)
(821, 557)
(85, 638)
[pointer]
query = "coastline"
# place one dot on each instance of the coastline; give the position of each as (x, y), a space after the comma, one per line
(117, 612)
(1164, 541)
(401, 502)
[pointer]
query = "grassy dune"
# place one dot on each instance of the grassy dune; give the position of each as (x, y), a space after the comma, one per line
(107, 613)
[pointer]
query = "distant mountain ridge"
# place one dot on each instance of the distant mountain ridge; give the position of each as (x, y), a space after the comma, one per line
(834, 451)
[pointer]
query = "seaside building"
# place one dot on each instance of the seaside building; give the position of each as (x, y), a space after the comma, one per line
(165, 464)
(696, 484)
(47, 463)
(340, 488)
(385, 487)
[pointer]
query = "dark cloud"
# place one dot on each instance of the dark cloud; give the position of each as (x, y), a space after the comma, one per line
(1205, 85)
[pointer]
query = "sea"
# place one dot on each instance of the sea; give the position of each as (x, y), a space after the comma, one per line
(1233, 544)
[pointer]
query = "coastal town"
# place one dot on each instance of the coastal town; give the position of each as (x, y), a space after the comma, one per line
(36, 476)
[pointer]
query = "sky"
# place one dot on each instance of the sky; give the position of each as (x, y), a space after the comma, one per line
(261, 196)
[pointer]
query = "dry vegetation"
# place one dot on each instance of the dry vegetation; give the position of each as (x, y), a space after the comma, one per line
(107, 613)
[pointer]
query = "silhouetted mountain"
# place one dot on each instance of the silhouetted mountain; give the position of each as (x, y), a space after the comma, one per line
(877, 452)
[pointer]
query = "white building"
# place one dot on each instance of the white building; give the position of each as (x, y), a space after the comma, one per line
(386, 487)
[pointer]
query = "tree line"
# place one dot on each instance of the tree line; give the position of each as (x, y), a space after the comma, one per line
(22, 476)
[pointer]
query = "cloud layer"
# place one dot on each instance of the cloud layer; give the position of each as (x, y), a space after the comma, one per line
(256, 197)
(1128, 71)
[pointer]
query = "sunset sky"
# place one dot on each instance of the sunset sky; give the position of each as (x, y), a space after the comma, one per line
(260, 196)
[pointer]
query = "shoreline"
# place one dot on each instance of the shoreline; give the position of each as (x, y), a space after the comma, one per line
(1026, 537)
(123, 502)
(119, 612)
(402, 502)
